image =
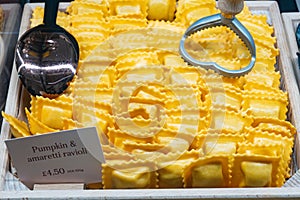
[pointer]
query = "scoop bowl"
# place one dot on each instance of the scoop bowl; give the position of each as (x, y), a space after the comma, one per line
(47, 55)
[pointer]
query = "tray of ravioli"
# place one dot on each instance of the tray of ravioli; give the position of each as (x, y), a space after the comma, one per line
(163, 123)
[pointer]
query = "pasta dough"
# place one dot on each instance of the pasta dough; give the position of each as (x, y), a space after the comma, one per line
(199, 128)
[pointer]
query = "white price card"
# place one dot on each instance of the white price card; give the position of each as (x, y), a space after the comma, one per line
(72, 156)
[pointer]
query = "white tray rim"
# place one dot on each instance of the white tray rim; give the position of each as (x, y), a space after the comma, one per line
(196, 193)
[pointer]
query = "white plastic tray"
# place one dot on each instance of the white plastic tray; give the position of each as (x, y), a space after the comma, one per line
(10, 187)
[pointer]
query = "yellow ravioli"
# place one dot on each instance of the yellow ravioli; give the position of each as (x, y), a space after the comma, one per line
(36, 126)
(18, 128)
(170, 171)
(128, 8)
(272, 105)
(255, 171)
(140, 174)
(51, 112)
(161, 9)
(210, 171)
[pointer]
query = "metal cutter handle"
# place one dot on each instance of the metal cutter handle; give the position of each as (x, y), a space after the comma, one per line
(229, 8)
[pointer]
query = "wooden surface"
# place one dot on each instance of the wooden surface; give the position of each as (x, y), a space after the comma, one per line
(288, 83)
(290, 21)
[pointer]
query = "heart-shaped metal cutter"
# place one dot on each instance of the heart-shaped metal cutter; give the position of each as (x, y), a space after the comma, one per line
(229, 8)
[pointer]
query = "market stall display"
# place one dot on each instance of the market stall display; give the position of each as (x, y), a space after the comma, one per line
(168, 100)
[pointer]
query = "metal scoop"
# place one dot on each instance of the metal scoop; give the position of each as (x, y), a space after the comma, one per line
(229, 8)
(47, 55)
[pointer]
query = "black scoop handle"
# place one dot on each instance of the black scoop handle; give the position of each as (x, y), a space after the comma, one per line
(50, 13)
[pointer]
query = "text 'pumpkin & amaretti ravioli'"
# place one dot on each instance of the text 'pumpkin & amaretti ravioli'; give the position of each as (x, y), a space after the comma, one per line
(163, 123)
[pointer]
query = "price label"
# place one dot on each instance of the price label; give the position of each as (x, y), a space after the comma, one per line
(72, 156)
(54, 172)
